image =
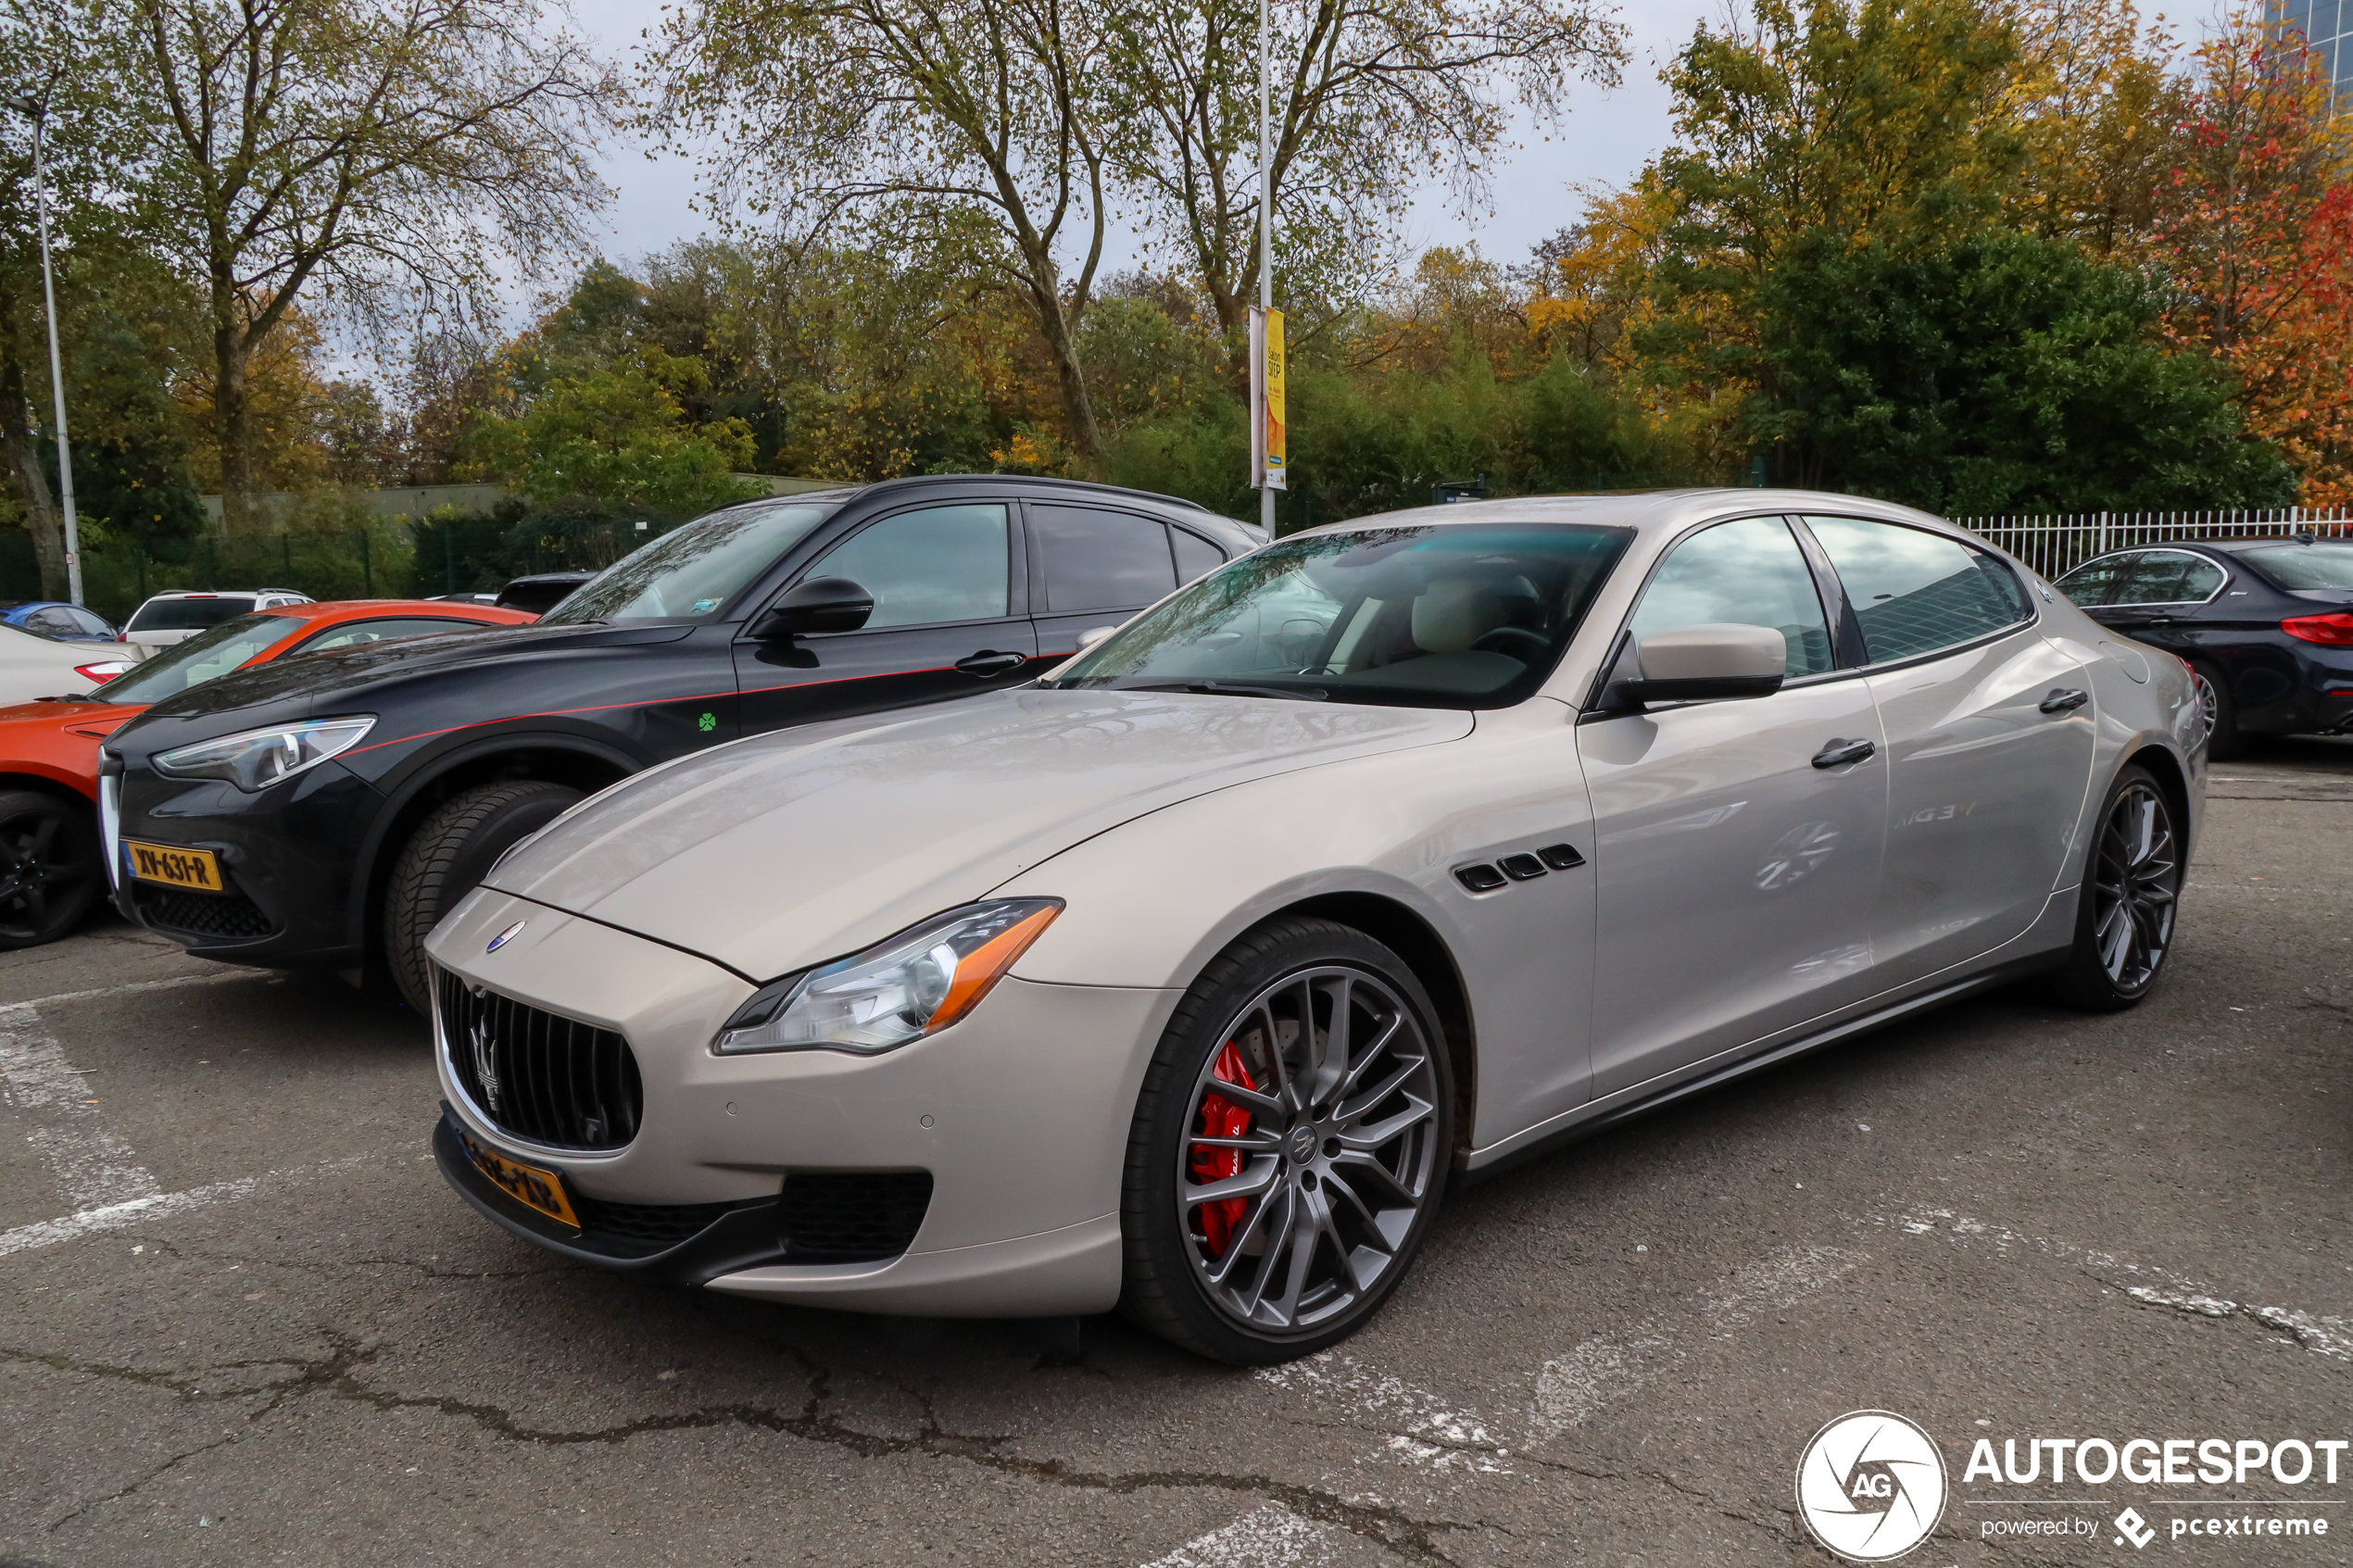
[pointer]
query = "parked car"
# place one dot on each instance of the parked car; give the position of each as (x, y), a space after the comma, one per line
(1187, 977)
(2266, 626)
(54, 618)
(541, 591)
(34, 664)
(49, 749)
(172, 618)
(337, 813)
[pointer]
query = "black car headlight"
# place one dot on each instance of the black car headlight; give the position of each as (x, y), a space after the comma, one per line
(254, 759)
(901, 989)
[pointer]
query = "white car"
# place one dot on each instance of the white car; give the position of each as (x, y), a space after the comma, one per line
(1185, 979)
(33, 666)
(174, 618)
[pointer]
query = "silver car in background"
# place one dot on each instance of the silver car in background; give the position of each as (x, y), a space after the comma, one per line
(1185, 980)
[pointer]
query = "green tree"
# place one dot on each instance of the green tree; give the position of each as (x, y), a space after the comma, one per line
(378, 153)
(2007, 373)
(985, 120)
(617, 436)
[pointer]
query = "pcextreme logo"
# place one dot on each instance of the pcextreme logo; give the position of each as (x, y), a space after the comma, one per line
(1871, 1485)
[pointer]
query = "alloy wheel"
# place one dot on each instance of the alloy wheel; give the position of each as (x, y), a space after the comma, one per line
(2210, 705)
(2136, 881)
(41, 871)
(1311, 1150)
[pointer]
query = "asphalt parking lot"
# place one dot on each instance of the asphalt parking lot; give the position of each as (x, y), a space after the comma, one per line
(243, 1322)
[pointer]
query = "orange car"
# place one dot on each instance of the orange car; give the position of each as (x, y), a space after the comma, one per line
(50, 870)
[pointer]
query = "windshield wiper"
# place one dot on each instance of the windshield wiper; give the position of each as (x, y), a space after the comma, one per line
(1231, 688)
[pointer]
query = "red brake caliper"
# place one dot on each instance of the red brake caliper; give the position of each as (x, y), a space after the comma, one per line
(1222, 1118)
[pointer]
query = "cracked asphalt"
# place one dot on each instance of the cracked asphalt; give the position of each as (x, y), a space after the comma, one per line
(242, 1321)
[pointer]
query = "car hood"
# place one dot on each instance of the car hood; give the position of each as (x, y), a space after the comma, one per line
(784, 850)
(315, 682)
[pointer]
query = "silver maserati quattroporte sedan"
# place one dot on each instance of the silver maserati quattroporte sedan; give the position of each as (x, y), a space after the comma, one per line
(1185, 978)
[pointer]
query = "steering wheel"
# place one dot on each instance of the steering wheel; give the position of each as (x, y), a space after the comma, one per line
(1513, 642)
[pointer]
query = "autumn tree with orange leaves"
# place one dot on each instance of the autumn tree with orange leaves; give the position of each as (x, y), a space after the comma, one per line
(2258, 235)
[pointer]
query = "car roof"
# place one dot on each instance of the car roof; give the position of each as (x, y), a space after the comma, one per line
(1076, 487)
(370, 609)
(1646, 511)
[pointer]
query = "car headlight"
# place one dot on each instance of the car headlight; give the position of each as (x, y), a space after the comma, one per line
(255, 760)
(915, 984)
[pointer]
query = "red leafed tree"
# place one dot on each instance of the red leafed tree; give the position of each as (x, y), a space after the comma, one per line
(2258, 234)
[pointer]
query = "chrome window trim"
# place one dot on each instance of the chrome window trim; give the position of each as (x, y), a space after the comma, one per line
(2149, 551)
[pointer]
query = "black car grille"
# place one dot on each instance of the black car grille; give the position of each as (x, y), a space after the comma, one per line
(199, 914)
(852, 1216)
(542, 1077)
(640, 1230)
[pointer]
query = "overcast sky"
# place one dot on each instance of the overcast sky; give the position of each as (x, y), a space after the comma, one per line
(1605, 137)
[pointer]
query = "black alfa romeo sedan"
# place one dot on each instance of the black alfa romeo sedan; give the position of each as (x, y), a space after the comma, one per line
(324, 812)
(2266, 626)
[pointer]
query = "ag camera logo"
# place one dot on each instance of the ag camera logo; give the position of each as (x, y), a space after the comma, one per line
(1871, 1485)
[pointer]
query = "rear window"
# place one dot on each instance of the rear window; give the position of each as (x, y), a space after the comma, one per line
(2304, 565)
(197, 660)
(189, 615)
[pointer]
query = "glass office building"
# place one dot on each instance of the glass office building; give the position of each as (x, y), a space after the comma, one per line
(2327, 26)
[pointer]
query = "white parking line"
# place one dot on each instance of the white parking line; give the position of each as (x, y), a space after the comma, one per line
(1608, 1367)
(93, 1167)
(2331, 1337)
(1424, 1430)
(115, 1216)
(131, 987)
(1272, 1536)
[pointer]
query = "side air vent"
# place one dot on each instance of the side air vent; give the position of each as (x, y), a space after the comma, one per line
(852, 1216)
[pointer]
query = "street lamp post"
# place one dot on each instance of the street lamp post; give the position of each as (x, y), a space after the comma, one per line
(1266, 246)
(39, 109)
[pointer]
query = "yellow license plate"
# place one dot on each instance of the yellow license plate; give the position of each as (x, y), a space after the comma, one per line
(180, 868)
(527, 1184)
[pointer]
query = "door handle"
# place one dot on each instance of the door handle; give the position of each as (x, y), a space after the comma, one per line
(2064, 699)
(1839, 753)
(988, 662)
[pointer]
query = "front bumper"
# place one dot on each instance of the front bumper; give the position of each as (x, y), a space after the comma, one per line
(289, 854)
(1020, 1114)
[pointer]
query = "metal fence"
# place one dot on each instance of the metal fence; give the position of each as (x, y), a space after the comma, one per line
(2052, 544)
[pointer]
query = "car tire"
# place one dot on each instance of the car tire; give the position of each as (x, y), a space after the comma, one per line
(2224, 740)
(2125, 906)
(51, 868)
(447, 858)
(1360, 1156)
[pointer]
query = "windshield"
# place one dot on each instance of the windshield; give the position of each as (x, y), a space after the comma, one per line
(188, 615)
(197, 660)
(1450, 615)
(2304, 565)
(691, 572)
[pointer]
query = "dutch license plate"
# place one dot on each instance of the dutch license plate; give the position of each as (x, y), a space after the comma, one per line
(180, 868)
(542, 1191)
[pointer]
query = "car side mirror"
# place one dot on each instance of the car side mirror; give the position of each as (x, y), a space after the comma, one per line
(822, 604)
(1093, 635)
(1709, 663)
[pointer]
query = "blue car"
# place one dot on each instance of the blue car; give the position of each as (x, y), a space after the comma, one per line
(53, 618)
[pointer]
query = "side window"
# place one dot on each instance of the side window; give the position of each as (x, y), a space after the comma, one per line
(356, 633)
(91, 625)
(1099, 559)
(1748, 573)
(1914, 590)
(1195, 556)
(2170, 577)
(2091, 583)
(942, 563)
(53, 623)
